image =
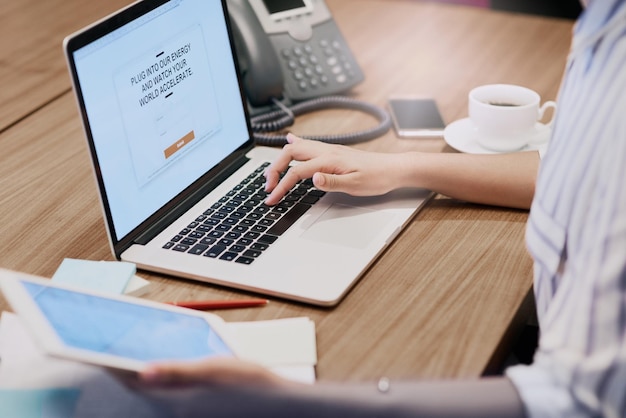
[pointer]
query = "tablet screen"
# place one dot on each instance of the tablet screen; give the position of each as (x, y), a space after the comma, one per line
(124, 329)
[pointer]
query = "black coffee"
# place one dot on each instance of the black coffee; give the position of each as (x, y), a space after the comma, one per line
(503, 104)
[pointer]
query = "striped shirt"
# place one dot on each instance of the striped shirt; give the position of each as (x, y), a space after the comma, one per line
(577, 232)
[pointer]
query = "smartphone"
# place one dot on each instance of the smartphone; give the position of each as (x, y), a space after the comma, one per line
(416, 117)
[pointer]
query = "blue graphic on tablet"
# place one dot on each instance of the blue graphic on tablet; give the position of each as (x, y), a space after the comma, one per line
(124, 329)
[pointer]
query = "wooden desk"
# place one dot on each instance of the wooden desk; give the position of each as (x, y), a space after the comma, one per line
(32, 66)
(444, 299)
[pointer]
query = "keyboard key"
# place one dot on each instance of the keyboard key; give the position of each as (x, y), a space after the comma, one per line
(234, 203)
(287, 203)
(259, 246)
(309, 199)
(297, 192)
(262, 209)
(219, 215)
(188, 241)
(233, 235)
(215, 251)
(251, 235)
(204, 228)
(317, 193)
(225, 242)
(216, 234)
(198, 249)
(253, 202)
(245, 242)
(252, 253)
(246, 222)
(226, 209)
(268, 239)
(280, 209)
(290, 217)
(208, 241)
(244, 260)
(245, 208)
(229, 256)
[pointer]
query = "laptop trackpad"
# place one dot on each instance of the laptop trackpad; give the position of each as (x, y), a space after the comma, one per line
(348, 226)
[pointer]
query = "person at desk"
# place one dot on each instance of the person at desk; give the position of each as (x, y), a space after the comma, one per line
(576, 234)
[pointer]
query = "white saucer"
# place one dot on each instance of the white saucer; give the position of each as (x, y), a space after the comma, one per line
(462, 136)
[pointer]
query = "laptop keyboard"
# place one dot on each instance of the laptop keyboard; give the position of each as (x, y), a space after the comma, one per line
(240, 227)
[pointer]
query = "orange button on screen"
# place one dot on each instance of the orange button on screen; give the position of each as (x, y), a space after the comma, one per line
(169, 151)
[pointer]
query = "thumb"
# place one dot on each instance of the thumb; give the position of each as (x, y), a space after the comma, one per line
(329, 182)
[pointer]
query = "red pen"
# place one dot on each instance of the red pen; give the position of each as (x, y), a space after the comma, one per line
(220, 304)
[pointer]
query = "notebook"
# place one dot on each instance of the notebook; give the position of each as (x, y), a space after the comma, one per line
(167, 129)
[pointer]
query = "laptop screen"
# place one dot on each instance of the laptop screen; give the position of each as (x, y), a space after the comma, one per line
(163, 105)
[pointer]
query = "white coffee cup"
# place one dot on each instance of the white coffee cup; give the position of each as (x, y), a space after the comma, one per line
(506, 116)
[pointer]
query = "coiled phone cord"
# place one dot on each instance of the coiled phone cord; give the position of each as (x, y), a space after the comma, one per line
(277, 120)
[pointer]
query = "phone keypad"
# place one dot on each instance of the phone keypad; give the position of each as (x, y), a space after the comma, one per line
(318, 66)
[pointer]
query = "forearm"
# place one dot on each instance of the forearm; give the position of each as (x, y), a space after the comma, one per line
(219, 385)
(503, 179)
(483, 398)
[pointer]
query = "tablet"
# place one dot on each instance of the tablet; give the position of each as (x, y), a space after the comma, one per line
(113, 331)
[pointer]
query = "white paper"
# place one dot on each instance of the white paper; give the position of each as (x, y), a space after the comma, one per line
(137, 286)
(279, 342)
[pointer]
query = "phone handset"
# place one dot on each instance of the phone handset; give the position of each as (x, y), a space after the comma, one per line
(259, 67)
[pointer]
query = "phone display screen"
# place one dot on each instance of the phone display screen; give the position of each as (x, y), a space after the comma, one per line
(281, 6)
(124, 329)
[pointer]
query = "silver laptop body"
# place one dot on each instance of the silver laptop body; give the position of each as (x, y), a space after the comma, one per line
(167, 129)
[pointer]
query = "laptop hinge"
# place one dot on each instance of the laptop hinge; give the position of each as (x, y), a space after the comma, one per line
(189, 201)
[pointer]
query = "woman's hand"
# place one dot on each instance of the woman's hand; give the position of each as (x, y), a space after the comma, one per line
(336, 168)
(498, 179)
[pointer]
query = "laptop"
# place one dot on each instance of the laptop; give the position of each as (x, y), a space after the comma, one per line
(178, 173)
